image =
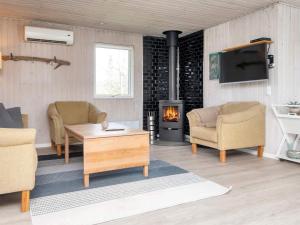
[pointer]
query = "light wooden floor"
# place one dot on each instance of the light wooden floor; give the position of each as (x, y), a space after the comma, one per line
(265, 192)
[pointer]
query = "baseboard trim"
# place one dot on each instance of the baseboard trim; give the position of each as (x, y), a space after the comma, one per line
(45, 145)
(249, 151)
(254, 152)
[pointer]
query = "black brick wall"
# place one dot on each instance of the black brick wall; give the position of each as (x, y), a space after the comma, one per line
(155, 73)
(191, 72)
(155, 77)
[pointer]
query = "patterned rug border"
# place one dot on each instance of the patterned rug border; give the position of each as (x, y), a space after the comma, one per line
(63, 201)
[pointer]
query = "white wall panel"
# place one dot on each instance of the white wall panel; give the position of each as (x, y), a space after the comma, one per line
(263, 23)
(34, 85)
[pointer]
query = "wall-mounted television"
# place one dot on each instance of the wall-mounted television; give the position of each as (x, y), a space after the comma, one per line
(245, 64)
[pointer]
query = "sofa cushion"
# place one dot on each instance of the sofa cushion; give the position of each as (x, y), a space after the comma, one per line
(73, 112)
(15, 114)
(204, 133)
(6, 120)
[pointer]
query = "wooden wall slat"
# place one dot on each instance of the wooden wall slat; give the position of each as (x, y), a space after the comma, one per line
(281, 23)
(34, 85)
(236, 32)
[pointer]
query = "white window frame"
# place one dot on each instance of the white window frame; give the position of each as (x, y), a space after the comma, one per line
(130, 72)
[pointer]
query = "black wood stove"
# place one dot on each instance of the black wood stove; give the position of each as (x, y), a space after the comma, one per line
(171, 111)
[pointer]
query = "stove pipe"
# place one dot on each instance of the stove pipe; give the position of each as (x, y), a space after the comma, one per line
(172, 43)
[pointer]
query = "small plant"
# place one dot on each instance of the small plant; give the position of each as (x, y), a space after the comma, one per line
(294, 103)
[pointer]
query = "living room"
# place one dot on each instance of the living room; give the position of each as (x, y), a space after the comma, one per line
(129, 116)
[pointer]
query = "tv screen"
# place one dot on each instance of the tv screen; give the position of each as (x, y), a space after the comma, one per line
(246, 64)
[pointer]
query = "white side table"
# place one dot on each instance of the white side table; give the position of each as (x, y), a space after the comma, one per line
(289, 124)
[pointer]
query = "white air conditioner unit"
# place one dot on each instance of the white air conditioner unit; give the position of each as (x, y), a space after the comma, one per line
(47, 35)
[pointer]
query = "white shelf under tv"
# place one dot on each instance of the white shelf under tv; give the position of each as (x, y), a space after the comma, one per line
(284, 157)
(290, 125)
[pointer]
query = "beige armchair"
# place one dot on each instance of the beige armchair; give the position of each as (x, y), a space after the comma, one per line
(18, 162)
(69, 113)
(234, 125)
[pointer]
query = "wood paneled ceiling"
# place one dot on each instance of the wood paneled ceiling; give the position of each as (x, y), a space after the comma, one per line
(149, 17)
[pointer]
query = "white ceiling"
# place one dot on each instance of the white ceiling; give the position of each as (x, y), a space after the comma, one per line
(149, 17)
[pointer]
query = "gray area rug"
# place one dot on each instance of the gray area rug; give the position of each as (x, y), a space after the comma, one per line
(56, 177)
(59, 196)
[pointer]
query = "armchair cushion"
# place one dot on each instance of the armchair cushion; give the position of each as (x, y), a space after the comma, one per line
(211, 124)
(233, 107)
(241, 116)
(204, 133)
(208, 116)
(73, 112)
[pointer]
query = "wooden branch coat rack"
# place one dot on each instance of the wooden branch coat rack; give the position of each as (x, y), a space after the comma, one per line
(56, 61)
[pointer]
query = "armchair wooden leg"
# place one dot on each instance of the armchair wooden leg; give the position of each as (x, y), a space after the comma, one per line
(52, 145)
(25, 200)
(223, 156)
(260, 152)
(194, 148)
(58, 149)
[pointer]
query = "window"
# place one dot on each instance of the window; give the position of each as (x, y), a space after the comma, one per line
(114, 71)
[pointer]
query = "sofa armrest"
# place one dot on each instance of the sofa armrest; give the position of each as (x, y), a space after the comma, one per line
(52, 111)
(57, 130)
(101, 117)
(202, 116)
(242, 129)
(20, 164)
(13, 137)
(95, 116)
(194, 118)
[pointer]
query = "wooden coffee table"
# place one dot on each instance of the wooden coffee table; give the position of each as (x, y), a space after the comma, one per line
(109, 150)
